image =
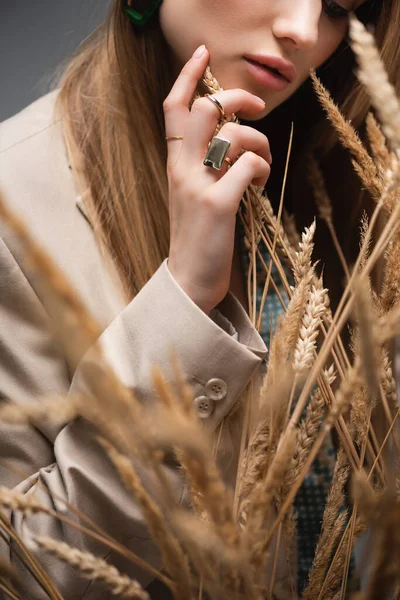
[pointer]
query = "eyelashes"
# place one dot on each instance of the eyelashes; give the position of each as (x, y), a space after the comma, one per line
(334, 10)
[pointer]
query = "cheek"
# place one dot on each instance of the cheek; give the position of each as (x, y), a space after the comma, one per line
(173, 14)
(330, 38)
(188, 23)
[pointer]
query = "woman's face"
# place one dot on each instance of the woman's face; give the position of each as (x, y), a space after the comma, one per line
(303, 32)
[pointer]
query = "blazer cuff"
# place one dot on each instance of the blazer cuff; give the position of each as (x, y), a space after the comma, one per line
(162, 317)
(224, 323)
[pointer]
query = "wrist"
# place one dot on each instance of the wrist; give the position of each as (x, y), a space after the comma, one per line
(195, 293)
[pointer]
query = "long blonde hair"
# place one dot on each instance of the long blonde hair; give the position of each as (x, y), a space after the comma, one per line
(111, 97)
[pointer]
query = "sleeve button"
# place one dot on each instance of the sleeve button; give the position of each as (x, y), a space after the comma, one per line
(204, 406)
(216, 389)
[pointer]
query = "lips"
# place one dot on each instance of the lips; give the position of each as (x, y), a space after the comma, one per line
(274, 71)
(281, 67)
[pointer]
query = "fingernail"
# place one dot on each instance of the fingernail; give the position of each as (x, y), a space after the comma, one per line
(200, 51)
(260, 100)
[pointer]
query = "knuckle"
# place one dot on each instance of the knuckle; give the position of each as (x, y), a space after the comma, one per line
(174, 177)
(208, 201)
(230, 129)
(168, 104)
(253, 160)
(201, 105)
(261, 138)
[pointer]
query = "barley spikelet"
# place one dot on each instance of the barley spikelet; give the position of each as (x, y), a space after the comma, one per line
(289, 329)
(173, 557)
(367, 338)
(324, 205)
(349, 138)
(322, 559)
(345, 393)
(377, 511)
(303, 255)
(377, 141)
(77, 331)
(363, 237)
(14, 500)
(8, 572)
(390, 294)
(336, 572)
(373, 75)
(261, 505)
(211, 82)
(364, 497)
(284, 245)
(264, 439)
(224, 569)
(388, 381)
(205, 538)
(57, 409)
(382, 512)
(321, 196)
(74, 317)
(307, 432)
(92, 567)
(306, 343)
(289, 227)
(329, 530)
(195, 450)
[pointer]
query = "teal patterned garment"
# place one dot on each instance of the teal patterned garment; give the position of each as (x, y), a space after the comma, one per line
(310, 500)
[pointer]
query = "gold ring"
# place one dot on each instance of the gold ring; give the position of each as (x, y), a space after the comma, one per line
(228, 160)
(217, 104)
(216, 153)
(174, 137)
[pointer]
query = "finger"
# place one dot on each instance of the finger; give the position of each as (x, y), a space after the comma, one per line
(177, 103)
(248, 169)
(204, 118)
(243, 137)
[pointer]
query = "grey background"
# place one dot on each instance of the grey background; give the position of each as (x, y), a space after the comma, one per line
(35, 35)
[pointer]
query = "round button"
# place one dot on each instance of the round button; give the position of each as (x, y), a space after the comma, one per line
(216, 389)
(204, 406)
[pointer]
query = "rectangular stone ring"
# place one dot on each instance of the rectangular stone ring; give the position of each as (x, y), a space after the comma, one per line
(217, 151)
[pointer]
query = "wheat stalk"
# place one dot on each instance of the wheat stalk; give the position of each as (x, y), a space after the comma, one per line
(303, 256)
(306, 343)
(173, 558)
(94, 568)
(377, 142)
(373, 75)
(56, 409)
(14, 500)
(350, 139)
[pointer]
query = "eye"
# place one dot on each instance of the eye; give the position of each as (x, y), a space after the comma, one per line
(334, 10)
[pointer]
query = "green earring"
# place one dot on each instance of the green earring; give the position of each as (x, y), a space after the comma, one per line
(143, 11)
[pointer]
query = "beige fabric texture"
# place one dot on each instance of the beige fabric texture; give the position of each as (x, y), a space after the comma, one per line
(39, 185)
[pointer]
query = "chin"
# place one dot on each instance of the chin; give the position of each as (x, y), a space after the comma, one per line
(269, 107)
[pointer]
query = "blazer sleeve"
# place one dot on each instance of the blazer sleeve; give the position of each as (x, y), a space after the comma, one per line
(68, 462)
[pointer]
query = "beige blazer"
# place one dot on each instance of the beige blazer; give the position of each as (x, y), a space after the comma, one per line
(39, 184)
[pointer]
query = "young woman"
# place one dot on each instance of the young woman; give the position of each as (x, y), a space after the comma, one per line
(108, 172)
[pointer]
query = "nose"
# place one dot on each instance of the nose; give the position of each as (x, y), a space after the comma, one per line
(298, 22)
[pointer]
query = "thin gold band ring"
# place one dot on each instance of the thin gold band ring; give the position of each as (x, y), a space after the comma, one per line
(217, 104)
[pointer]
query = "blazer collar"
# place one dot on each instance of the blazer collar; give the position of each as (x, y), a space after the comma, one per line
(82, 209)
